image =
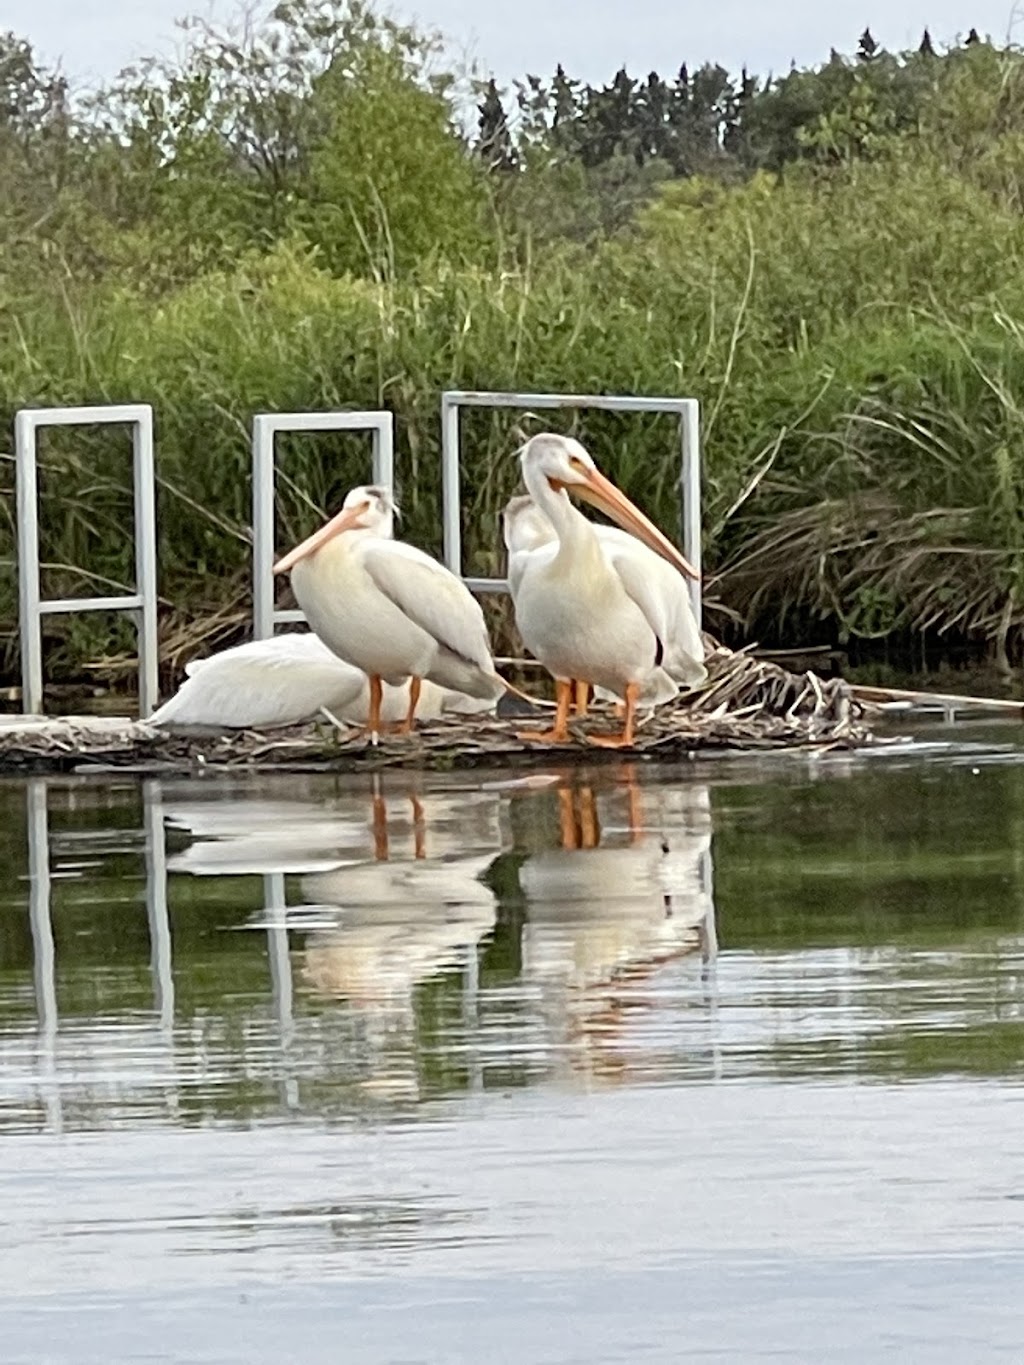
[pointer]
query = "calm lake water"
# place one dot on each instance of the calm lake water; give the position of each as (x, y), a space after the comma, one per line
(713, 1062)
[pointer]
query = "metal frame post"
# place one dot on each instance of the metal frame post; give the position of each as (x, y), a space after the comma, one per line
(686, 409)
(142, 603)
(265, 426)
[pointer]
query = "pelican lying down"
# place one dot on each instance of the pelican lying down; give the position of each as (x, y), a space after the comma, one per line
(288, 680)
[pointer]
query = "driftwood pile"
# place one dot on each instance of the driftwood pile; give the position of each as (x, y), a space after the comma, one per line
(747, 704)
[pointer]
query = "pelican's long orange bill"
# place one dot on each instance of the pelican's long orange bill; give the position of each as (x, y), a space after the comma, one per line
(346, 520)
(602, 493)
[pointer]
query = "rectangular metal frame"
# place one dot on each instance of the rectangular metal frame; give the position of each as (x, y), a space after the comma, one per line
(686, 409)
(142, 604)
(265, 426)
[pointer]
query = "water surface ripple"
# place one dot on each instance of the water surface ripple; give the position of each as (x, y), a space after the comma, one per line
(719, 1061)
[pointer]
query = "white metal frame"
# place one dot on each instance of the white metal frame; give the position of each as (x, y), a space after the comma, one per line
(454, 400)
(142, 603)
(265, 426)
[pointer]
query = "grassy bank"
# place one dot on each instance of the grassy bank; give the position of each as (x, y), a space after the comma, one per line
(853, 329)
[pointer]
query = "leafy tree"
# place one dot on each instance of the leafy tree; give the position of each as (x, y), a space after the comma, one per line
(390, 181)
(37, 134)
(217, 147)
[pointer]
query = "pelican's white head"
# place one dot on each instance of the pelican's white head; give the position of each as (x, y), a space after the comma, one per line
(375, 509)
(561, 460)
(554, 466)
(368, 510)
(524, 525)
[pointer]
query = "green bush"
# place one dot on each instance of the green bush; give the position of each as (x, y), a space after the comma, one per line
(292, 219)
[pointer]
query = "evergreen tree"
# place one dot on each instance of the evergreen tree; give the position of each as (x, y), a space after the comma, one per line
(494, 141)
(564, 98)
(735, 140)
(652, 118)
(867, 48)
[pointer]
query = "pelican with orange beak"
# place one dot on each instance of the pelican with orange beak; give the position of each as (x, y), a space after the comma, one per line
(586, 614)
(388, 608)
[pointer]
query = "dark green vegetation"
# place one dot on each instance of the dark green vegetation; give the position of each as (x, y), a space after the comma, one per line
(830, 260)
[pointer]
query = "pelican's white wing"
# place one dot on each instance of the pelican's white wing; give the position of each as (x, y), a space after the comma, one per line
(456, 703)
(641, 585)
(278, 651)
(521, 561)
(266, 683)
(661, 594)
(432, 597)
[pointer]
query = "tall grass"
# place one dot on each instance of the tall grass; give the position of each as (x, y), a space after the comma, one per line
(855, 339)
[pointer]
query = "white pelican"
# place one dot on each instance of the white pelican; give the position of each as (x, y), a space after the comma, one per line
(287, 680)
(527, 532)
(388, 608)
(583, 615)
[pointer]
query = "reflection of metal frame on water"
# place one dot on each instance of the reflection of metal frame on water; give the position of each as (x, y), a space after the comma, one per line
(161, 944)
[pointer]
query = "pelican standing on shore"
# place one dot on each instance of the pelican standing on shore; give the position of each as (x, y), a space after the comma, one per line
(528, 533)
(584, 615)
(390, 609)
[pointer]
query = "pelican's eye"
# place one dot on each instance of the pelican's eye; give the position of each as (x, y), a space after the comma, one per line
(576, 462)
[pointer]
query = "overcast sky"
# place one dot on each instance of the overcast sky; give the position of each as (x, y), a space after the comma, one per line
(592, 38)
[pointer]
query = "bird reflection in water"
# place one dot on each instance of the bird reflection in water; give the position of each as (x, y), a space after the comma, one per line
(395, 904)
(390, 897)
(626, 893)
(418, 910)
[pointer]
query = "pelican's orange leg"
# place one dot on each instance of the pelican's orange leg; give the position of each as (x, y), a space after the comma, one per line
(374, 725)
(625, 740)
(581, 696)
(376, 698)
(559, 733)
(406, 727)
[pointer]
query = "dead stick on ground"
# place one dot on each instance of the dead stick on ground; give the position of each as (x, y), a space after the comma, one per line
(882, 694)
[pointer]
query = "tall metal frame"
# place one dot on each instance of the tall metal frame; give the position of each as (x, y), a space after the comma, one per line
(142, 603)
(265, 426)
(454, 400)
